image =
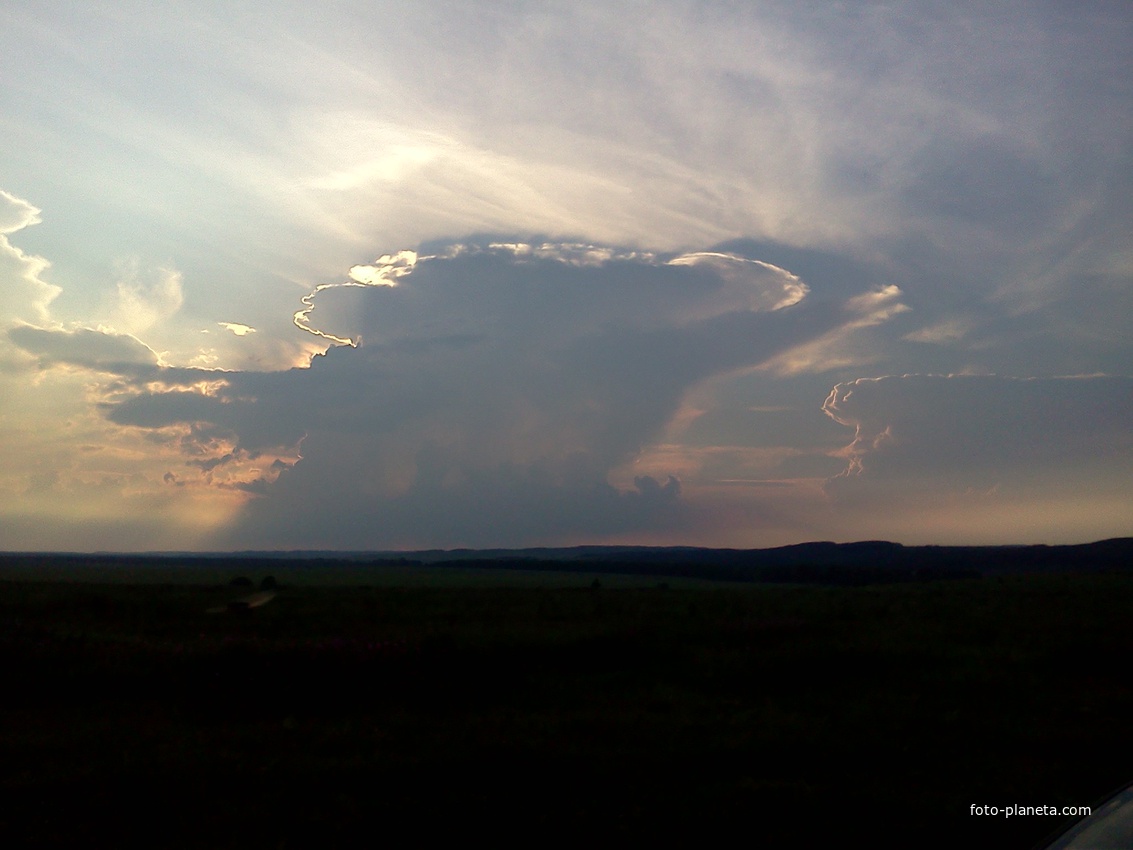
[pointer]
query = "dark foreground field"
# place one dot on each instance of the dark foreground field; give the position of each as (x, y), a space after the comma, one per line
(801, 717)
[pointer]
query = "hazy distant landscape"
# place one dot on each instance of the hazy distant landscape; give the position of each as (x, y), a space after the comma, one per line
(869, 562)
(573, 697)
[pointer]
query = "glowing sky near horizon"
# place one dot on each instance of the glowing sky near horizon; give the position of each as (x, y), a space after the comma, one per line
(359, 276)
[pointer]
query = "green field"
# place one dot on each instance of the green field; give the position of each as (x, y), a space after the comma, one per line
(548, 711)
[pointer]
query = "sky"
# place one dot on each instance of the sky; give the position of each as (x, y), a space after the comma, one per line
(363, 275)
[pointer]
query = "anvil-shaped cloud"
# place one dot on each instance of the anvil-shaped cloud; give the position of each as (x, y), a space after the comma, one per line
(487, 391)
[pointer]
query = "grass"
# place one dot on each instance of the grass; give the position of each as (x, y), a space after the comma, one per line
(800, 716)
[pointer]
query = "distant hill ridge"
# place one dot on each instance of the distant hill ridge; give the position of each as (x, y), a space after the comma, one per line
(864, 562)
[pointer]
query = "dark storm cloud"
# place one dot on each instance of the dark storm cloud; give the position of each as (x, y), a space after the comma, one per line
(492, 390)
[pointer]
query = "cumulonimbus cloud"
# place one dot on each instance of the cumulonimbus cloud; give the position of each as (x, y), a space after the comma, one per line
(488, 391)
